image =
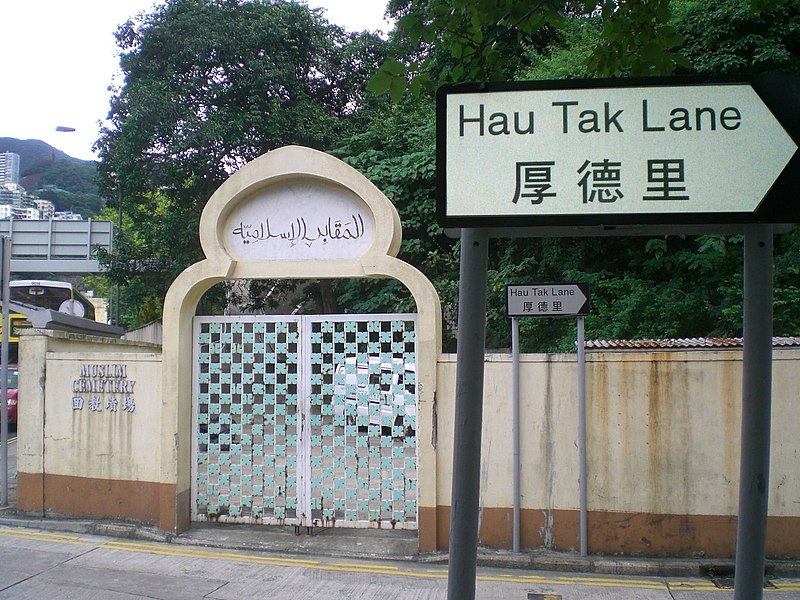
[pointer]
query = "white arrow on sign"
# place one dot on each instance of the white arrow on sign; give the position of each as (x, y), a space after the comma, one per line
(547, 300)
(604, 152)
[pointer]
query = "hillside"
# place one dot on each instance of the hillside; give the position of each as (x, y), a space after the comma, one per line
(53, 175)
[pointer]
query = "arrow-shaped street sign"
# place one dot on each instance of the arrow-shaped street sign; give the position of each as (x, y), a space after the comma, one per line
(619, 152)
(547, 300)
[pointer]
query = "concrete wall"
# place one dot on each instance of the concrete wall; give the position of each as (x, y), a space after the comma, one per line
(151, 333)
(89, 431)
(662, 444)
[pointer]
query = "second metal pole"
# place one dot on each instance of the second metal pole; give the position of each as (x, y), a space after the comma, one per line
(756, 414)
(465, 496)
(583, 486)
(515, 427)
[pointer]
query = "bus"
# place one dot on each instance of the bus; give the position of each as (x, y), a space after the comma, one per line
(53, 295)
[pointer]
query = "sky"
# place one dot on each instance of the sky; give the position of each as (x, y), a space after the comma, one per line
(60, 57)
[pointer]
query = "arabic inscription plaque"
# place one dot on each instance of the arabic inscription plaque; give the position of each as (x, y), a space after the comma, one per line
(300, 220)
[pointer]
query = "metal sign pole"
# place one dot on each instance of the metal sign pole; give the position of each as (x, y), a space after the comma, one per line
(549, 300)
(582, 434)
(6, 273)
(515, 425)
(465, 494)
(756, 413)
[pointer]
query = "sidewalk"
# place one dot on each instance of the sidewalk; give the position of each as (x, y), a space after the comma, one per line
(385, 545)
(398, 545)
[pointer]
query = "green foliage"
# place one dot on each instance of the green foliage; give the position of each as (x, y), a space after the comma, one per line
(397, 153)
(455, 40)
(70, 185)
(760, 6)
(567, 56)
(144, 254)
(263, 74)
(725, 37)
(636, 39)
(86, 204)
(786, 290)
(664, 287)
(33, 153)
(75, 176)
(641, 288)
(209, 86)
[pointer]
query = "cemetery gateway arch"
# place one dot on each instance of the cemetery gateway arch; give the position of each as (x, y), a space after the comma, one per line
(296, 213)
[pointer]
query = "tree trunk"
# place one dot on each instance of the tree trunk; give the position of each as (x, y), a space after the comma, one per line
(327, 297)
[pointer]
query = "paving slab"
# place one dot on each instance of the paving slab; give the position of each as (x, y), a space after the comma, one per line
(174, 586)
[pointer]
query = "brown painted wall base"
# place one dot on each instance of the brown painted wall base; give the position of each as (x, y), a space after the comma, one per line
(143, 501)
(158, 504)
(617, 533)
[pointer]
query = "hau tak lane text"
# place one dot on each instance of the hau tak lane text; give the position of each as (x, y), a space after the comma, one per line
(577, 118)
(554, 292)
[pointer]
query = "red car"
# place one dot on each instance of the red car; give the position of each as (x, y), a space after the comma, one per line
(13, 375)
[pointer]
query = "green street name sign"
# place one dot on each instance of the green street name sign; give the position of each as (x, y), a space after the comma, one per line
(608, 152)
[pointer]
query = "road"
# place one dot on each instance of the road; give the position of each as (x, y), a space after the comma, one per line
(44, 564)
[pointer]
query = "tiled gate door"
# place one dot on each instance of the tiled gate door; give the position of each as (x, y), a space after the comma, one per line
(306, 420)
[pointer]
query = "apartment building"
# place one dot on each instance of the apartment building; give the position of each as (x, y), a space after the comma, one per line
(9, 167)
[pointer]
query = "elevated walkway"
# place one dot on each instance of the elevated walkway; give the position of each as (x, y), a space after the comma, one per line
(56, 246)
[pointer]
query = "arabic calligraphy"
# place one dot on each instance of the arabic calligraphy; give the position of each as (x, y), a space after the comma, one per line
(299, 231)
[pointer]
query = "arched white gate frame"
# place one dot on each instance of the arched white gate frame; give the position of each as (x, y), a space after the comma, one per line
(248, 230)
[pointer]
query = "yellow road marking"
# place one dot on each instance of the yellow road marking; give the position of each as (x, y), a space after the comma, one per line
(57, 538)
(361, 566)
(370, 568)
(184, 551)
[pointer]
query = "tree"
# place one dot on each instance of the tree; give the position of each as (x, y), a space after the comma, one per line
(634, 37)
(664, 287)
(263, 74)
(675, 286)
(725, 37)
(210, 85)
(396, 151)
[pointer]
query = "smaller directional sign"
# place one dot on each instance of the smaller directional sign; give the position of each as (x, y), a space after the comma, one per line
(547, 300)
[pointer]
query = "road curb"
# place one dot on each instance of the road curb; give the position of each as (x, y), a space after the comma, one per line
(368, 544)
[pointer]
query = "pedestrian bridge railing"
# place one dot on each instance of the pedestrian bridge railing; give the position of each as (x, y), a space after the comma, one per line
(56, 246)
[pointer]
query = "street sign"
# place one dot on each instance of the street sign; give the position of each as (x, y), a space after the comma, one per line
(547, 300)
(619, 152)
